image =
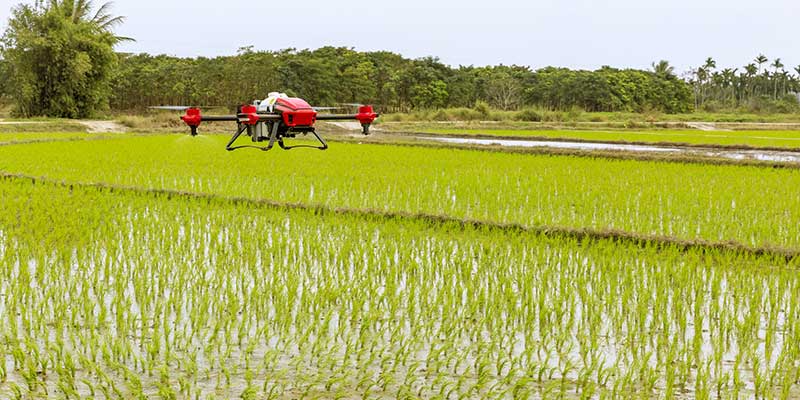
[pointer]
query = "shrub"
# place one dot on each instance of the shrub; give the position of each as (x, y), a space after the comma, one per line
(529, 114)
(440, 115)
(465, 114)
(574, 114)
(483, 108)
(632, 124)
(598, 118)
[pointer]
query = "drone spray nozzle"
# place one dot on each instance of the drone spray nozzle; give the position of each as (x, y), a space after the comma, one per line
(193, 119)
(366, 115)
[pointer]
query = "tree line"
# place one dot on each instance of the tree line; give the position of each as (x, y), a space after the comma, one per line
(57, 58)
(759, 85)
(331, 75)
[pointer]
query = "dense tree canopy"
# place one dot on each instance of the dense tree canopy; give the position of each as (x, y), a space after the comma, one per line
(609, 89)
(59, 58)
(331, 75)
(4, 78)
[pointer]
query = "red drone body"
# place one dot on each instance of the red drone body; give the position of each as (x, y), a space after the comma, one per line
(287, 117)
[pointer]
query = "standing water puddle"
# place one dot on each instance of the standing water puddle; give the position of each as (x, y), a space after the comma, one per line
(761, 155)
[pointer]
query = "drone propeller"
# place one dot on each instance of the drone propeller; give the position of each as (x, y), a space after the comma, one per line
(325, 108)
(172, 108)
(351, 104)
(180, 108)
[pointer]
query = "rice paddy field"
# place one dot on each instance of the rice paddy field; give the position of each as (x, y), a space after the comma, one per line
(161, 266)
(779, 139)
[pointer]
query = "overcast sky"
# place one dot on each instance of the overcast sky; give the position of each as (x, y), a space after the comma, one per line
(569, 33)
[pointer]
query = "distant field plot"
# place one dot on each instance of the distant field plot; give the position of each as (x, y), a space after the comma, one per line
(40, 126)
(750, 205)
(765, 138)
(117, 294)
(28, 137)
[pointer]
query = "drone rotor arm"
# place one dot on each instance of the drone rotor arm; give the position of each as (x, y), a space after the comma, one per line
(219, 118)
(365, 116)
(194, 117)
(335, 117)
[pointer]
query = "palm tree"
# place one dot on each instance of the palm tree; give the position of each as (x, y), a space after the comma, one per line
(761, 59)
(796, 82)
(785, 77)
(710, 64)
(663, 69)
(750, 72)
(777, 64)
(702, 75)
(728, 80)
(78, 11)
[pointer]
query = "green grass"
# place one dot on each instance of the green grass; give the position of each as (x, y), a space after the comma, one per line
(782, 139)
(124, 295)
(751, 205)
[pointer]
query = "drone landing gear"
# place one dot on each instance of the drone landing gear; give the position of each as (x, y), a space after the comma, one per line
(274, 136)
(313, 132)
(250, 131)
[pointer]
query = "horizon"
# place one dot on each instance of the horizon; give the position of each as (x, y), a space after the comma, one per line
(552, 33)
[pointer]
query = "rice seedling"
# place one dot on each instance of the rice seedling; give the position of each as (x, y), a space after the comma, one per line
(748, 205)
(143, 294)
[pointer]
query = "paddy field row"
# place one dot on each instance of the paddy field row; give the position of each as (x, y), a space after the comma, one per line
(162, 266)
(142, 294)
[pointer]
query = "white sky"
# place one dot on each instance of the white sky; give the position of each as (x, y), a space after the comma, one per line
(569, 33)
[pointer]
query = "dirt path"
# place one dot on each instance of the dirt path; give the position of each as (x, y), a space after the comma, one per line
(705, 126)
(92, 126)
(102, 126)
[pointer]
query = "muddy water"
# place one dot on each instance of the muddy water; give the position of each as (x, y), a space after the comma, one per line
(760, 155)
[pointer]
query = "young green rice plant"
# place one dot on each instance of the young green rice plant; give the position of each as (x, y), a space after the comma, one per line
(139, 293)
(750, 205)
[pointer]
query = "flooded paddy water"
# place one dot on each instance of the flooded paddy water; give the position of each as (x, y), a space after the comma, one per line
(286, 304)
(733, 154)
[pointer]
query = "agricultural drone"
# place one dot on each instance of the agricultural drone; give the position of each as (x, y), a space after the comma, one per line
(275, 118)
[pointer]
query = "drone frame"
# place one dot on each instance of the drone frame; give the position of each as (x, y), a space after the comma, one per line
(294, 116)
